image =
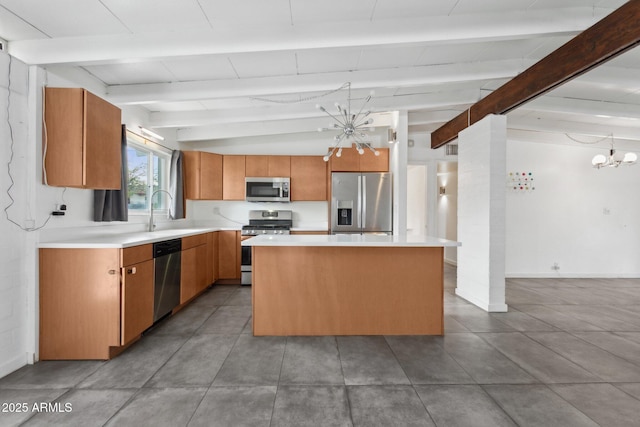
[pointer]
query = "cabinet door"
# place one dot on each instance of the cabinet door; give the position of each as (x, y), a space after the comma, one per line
(191, 174)
(308, 178)
(233, 173)
(63, 140)
(103, 152)
(79, 303)
(202, 268)
(349, 161)
(188, 274)
(279, 166)
(369, 162)
(256, 166)
(214, 257)
(228, 255)
(137, 300)
(210, 176)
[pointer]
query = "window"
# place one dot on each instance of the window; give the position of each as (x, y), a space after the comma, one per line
(148, 172)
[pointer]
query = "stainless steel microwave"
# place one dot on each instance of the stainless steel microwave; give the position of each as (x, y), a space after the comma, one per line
(267, 189)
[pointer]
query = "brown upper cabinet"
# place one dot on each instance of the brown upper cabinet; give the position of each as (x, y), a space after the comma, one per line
(308, 178)
(233, 173)
(202, 175)
(82, 140)
(279, 166)
(351, 161)
(268, 166)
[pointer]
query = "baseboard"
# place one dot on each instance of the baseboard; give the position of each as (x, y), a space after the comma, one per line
(12, 365)
(571, 276)
(491, 308)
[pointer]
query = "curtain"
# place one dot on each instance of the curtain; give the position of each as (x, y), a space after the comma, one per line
(112, 205)
(176, 186)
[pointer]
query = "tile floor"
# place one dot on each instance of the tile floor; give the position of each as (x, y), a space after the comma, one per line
(566, 354)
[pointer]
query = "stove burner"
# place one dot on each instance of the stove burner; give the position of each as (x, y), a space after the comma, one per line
(267, 222)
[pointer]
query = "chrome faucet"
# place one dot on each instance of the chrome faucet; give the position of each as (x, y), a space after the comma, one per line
(152, 226)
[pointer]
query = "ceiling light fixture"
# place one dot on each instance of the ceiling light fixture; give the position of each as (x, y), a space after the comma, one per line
(614, 159)
(351, 127)
(150, 133)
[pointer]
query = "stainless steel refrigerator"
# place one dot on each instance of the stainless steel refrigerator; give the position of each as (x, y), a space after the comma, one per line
(361, 203)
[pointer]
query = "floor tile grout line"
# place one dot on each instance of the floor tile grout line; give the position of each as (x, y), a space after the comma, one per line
(566, 358)
(516, 362)
(573, 334)
(344, 381)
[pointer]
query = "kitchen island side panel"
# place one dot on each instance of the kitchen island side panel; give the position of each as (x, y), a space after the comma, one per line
(320, 290)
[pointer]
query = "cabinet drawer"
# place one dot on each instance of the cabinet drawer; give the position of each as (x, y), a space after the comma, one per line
(136, 254)
(192, 241)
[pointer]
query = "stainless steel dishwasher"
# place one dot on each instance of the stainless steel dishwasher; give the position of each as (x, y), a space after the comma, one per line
(166, 296)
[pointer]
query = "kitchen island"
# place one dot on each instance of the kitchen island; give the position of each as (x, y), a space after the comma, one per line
(347, 285)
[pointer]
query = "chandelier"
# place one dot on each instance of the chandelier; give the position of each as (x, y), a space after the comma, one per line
(351, 127)
(614, 159)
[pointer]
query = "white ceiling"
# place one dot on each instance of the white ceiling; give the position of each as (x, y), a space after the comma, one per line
(220, 69)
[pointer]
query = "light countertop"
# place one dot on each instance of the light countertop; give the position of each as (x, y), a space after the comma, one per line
(125, 240)
(349, 240)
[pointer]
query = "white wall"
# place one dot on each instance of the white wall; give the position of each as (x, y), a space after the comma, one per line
(416, 199)
(13, 268)
(585, 220)
(447, 206)
(218, 213)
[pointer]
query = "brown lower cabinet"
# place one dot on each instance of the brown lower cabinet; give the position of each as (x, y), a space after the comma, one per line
(194, 268)
(229, 255)
(95, 302)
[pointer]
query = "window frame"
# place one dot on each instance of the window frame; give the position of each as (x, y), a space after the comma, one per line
(163, 154)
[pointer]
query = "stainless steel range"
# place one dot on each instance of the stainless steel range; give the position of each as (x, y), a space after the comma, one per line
(262, 222)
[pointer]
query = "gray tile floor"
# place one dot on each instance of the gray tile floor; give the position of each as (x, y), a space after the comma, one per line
(566, 354)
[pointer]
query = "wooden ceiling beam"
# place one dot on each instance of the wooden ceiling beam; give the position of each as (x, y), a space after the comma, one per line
(606, 39)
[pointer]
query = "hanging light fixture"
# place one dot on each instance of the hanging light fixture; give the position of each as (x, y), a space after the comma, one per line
(351, 127)
(614, 159)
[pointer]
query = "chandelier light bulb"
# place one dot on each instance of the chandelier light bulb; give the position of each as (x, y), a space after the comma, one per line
(326, 158)
(377, 153)
(599, 160)
(339, 153)
(630, 158)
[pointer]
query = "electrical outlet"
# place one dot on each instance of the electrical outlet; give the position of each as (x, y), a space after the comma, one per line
(555, 266)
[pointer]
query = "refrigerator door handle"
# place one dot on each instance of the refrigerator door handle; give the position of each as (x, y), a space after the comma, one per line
(364, 200)
(359, 204)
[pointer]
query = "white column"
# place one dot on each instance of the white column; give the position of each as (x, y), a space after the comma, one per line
(432, 198)
(398, 166)
(481, 213)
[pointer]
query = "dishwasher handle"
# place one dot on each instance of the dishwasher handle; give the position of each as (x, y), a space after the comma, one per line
(166, 247)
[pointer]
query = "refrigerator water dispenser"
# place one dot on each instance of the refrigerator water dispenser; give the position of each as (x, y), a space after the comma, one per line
(345, 212)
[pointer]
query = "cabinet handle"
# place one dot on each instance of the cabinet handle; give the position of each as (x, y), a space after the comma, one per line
(112, 272)
(132, 270)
